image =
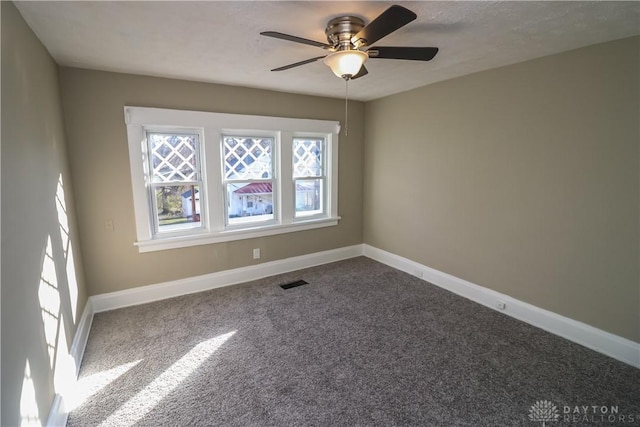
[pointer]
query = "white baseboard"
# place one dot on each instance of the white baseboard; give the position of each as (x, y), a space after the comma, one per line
(604, 342)
(150, 293)
(596, 339)
(58, 413)
(82, 335)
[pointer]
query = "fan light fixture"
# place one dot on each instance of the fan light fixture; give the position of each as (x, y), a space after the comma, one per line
(347, 34)
(346, 63)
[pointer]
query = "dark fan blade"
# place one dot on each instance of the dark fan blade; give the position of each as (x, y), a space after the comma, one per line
(295, 39)
(390, 20)
(363, 72)
(411, 53)
(297, 64)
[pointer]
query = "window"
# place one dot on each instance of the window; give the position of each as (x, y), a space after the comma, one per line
(248, 179)
(174, 181)
(200, 178)
(308, 174)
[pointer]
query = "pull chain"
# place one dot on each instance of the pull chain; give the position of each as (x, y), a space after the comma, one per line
(346, 108)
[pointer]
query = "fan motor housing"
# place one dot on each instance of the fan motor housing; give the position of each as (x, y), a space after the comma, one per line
(340, 30)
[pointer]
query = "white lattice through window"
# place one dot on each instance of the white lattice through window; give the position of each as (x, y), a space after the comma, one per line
(173, 157)
(247, 158)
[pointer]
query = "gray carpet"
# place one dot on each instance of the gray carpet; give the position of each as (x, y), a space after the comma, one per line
(361, 345)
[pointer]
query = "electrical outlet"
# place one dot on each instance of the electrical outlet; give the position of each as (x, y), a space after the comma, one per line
(501, 306)
(256, 253)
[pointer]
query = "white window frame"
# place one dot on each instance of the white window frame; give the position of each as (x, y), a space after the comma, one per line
(211, 127)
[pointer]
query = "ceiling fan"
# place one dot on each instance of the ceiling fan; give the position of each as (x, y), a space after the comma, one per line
(350, 43)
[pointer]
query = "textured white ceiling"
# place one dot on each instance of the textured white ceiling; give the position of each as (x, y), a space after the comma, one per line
(219, 41)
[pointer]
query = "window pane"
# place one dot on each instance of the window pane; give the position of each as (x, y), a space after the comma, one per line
(307, 157)
(308, 197)
(249, 202)
(177, 208)
(173, 157)
(247, 158)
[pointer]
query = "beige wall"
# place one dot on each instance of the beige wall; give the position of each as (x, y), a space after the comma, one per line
(523, 179)
(33, 162)
(93, 103)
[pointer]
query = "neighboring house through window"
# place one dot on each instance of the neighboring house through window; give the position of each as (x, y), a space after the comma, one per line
(202, 177)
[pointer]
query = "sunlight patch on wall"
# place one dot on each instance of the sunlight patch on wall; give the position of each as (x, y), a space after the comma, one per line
(73, 283)
(29, 415)
(67, 247)
(49, 301)
(142, 403)
(92, 384)
(63, 219)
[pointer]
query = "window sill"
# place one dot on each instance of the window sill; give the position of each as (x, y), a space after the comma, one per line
(161, 244)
